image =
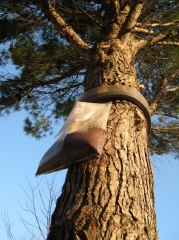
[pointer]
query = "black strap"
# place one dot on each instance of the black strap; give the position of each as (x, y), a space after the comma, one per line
(116, 92)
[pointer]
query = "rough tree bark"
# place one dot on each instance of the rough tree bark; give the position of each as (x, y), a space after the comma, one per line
(111, 197)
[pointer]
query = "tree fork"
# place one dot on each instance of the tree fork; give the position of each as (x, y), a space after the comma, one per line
(111, 197)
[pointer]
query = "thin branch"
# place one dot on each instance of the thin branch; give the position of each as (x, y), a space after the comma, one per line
(58, 79)
(65, 30)
(48, 197)
(116, 6)
(26, 90)
(162, 37)
(26, 224)
(88, 15)
(157, 24)
(80, 15)
(164, 139)
(171, 89)
(159, 39)
(143, 30)
(158, 96)
(166, 129)
(7, 225)
(33, 210)
(166, 115)
(168, 43)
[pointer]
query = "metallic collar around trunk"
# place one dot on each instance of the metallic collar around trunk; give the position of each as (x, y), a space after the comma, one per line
(116, 92)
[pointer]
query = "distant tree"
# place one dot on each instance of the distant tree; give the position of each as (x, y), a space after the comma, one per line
(63, 48)
(39, 204)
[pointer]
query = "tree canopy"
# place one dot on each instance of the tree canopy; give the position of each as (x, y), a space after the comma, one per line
(50, 42)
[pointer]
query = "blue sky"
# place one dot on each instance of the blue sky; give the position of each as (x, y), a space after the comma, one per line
(20, 156)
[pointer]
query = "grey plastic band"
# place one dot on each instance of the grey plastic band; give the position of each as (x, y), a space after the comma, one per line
(118, 92)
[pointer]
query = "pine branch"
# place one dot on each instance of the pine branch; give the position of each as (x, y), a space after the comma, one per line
(158, 96)
(159, 39)
(157, 24)
(74, 86)
(165, 129)
(171, 89)
(64, 29)
(81, 15)
(134, 13)
(88, 15)
(170, 141)
(58, 79)
(26, 90)
(143, 30)
(162, 37)
(160, 93)
(168, 43)
(116, 6)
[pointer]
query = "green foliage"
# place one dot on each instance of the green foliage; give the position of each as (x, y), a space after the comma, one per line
(155, 66)
(163, 139)
(62, 109)
(40, 126)
(51, 73)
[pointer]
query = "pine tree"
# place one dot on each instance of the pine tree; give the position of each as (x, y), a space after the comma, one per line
(63, 48)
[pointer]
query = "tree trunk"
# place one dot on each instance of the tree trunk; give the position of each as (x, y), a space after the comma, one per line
(111, 197)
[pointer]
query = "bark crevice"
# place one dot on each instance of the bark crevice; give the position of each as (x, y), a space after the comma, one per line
(112, 195)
